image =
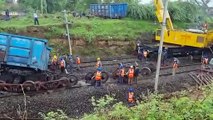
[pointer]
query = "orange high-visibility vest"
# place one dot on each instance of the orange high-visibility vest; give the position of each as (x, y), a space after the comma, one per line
(131, 73)
(122, 73)
(145, 53)
(78, 61)
(131, 97)
(62, 63)
(98, 76)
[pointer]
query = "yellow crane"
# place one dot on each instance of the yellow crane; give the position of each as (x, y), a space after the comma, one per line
(190, 37)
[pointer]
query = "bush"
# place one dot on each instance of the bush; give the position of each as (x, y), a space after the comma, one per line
(58, 115)
(156, 108)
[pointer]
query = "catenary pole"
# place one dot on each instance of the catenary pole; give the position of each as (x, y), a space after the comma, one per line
(67, 31)
(161, 46)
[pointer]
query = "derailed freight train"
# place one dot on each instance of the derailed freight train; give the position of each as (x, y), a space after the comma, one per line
(24, 61)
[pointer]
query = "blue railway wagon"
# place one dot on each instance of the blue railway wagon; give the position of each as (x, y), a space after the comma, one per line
(111, 10)
(24, 52)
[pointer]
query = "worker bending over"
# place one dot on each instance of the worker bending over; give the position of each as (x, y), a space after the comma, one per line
(130, 74)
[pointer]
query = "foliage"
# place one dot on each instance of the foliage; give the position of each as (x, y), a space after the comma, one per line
(179, 11)
(2, 4)
(58, 115)
(156, 108)
(184, 11)
(102, 103)
(138, 11)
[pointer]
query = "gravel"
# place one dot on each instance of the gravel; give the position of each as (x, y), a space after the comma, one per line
(75, 102)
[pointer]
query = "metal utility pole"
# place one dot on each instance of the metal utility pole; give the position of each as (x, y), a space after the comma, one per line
(67, 30)
(161, 46)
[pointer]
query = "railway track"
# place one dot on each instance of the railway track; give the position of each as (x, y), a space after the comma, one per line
(165, 71)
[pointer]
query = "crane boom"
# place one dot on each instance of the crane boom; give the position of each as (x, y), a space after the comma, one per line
(159, 13)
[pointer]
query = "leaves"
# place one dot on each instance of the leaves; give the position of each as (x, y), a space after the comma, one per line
(157, 109)
(58, 115)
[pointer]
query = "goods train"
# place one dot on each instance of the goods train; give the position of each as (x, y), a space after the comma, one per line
(109, 10)
(25, 60)
(178, 42)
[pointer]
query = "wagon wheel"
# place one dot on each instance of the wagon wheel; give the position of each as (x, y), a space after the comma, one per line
(88, 77)
(29, 85)
(73, 80)
(145, 71)
(105, 77)
(114, 74)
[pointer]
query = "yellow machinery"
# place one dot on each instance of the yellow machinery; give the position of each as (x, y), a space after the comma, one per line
(191, 37)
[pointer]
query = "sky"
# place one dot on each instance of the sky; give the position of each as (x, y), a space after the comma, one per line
(148, 1)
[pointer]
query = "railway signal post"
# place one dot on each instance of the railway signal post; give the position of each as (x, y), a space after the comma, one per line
(67, 31)
(161, 46)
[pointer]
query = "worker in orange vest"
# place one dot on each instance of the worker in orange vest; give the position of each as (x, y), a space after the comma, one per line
(54, 62)
(175, 66)
(62, 65)
(98, 76)
(78, 62)
(131, 97)
(205, 61)
(130, 74)
(121, 73)
(98, 64)
(145, 54)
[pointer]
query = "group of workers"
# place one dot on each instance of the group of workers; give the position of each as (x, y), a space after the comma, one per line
(63, 61)
(132, 75)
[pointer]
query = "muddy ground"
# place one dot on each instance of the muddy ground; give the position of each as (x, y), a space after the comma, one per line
(76, 101)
